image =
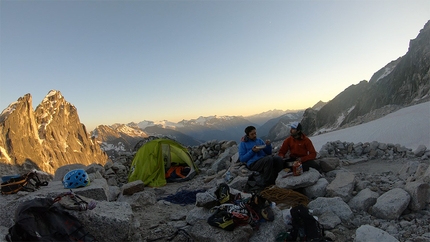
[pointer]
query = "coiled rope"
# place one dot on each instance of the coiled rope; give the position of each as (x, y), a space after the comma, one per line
(284, 196)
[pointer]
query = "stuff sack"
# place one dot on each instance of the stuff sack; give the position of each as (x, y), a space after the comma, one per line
(28, 182)
(305, 225)
(255, 183)
(40, 220)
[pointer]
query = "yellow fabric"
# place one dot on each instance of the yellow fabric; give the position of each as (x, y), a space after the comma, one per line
(149, 162)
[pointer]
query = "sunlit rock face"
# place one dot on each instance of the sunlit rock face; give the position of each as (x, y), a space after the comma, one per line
(46, 138)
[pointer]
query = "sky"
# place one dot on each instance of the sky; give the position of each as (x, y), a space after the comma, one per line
(409, 127)
(130, 61)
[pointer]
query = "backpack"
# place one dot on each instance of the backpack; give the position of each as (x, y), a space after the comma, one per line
(305, 225)
(255, 183)
(28, 182)
(40, 220)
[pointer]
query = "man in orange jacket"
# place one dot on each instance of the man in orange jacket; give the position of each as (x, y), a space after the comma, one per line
(299, 147)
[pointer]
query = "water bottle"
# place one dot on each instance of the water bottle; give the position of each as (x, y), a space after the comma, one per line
(227, 176)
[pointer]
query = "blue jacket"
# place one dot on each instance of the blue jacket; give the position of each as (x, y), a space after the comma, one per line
(246, 155)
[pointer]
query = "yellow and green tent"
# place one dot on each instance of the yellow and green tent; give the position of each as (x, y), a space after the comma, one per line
(154, 158)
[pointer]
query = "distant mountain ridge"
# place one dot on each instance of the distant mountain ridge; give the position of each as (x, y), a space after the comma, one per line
(214, 128)
(279, 128)
(117, 138)
(187, 132)
(262, 118)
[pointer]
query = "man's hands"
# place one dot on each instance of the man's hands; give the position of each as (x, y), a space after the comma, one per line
(257, 148)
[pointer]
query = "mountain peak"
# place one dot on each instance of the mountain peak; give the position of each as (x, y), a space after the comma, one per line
(25, 101)
(48, 137)
(54, 97)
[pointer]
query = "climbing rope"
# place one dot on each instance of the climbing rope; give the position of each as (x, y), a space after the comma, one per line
(284, 196)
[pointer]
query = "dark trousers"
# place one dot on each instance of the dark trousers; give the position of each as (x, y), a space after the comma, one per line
(305, 165)
(269, 167)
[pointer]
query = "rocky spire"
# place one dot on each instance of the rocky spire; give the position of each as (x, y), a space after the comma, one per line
(47, 138)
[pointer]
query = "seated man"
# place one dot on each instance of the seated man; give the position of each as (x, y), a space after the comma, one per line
(256, 154)
(300, 148)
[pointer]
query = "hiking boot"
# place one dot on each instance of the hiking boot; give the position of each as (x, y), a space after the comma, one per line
(222, 219)
(267, 214)
(223, 193)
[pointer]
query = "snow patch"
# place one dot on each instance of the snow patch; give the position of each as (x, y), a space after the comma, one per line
(5, 155)
(119, 147)
(9, 109)
(387, 71)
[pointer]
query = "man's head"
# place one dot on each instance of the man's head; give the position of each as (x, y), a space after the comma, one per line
(297, 126)
(296, 129)
(251, 132)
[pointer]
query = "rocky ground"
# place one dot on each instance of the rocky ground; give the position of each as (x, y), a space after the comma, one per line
(380, 173)
(165, 221)
(157, 225)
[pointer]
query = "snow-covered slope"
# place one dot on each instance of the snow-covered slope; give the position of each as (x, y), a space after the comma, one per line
(409, 127)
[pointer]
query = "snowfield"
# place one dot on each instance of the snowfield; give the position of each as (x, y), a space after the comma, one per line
(409, 127)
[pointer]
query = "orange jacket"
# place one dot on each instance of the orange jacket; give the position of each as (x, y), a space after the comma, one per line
(302, 148)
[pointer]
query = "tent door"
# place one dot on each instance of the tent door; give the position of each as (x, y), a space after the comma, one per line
(167, 159)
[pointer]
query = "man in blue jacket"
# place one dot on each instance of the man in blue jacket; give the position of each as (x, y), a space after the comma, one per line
(257, 155)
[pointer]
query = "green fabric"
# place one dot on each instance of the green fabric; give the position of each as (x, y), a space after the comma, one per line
(151, 160)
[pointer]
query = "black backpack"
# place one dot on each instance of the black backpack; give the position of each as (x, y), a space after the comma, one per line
(305, 225)
(40, 220)
(255, 183)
